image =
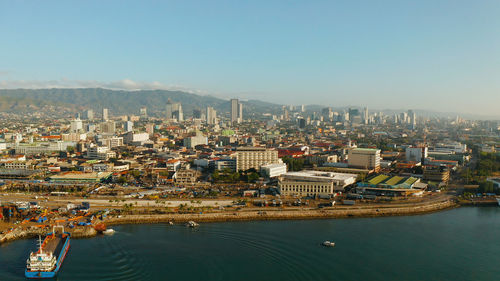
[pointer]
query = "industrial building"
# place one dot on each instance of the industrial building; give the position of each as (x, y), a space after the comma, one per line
(314, 183)
(391, 185)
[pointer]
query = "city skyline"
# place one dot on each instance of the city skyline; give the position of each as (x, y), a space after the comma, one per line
(380, 54)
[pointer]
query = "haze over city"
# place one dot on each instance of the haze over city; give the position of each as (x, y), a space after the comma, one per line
(429, 55)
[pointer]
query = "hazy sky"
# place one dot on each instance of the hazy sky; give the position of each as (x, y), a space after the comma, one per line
(439, 55)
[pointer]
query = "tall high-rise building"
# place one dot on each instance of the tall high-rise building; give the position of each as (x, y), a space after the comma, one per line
(105, 113)
(365, 115)
(236, 111)
(129, 126)
(174, 111)
(76, 125)
(108, 127)
(303, 108)
(413, 119)
(403, 118)
(143, 113)
(211, 115)
(286, 115)
(240, 112)
(88, 114)
(327, 113)
(150, 129)
(178, 114)
(169, 109)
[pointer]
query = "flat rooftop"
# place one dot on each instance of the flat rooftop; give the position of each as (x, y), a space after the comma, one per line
(319, 175)
(81, 176)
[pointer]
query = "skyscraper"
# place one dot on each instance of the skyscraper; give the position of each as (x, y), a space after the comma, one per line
(236, 111)
(365, 115)
(286, 115)
(178, 113)
(240, 112)
(129, 126)
(89, 114)
(105, 114)
(211, 115)
(413, 119)
(169, 109)
(76, 125)
(144, 113)
(174, 111)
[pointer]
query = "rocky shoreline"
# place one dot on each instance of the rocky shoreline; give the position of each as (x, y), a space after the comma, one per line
(33, 232)
(336, 212)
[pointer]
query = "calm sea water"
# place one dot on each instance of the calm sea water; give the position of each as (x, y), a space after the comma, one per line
(459, 244)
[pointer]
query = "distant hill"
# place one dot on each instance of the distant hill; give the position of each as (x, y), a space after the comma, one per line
(129, 102)
(122, 102)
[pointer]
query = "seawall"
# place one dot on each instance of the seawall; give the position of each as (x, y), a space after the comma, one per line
(285, 214)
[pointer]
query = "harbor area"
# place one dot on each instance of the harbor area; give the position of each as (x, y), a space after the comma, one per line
(90, 217)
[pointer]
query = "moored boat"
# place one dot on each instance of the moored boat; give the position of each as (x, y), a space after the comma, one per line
(328, 244)
(47, 261)
(191, 224)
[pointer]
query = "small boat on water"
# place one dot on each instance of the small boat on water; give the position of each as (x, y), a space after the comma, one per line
(46, 262)
(192, 224)
(108, 231)
(498, 200)
(328, 244)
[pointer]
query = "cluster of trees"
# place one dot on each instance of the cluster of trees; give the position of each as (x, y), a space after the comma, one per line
(294, 164)
(488, 164)
(225, 175)
(228, 176)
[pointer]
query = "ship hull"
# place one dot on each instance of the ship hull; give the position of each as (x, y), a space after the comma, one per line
(60, 259)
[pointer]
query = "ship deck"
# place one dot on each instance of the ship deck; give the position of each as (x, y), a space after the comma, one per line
(54, 245)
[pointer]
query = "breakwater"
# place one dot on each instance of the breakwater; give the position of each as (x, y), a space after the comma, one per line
(32, 232)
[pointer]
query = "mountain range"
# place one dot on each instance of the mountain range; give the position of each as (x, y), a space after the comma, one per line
(121, 102)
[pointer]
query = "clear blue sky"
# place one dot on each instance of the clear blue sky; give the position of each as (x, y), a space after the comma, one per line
(439, 55)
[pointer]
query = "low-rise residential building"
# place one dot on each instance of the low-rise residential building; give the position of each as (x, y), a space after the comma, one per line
(187, 176)
(25, 165)
(222, 164)
(199, 139)
(42, 148)
(100, 153)
(93, 177)
(436, 173)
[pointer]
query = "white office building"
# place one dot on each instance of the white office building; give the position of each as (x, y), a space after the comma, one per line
(311, 183)
(273, 170)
